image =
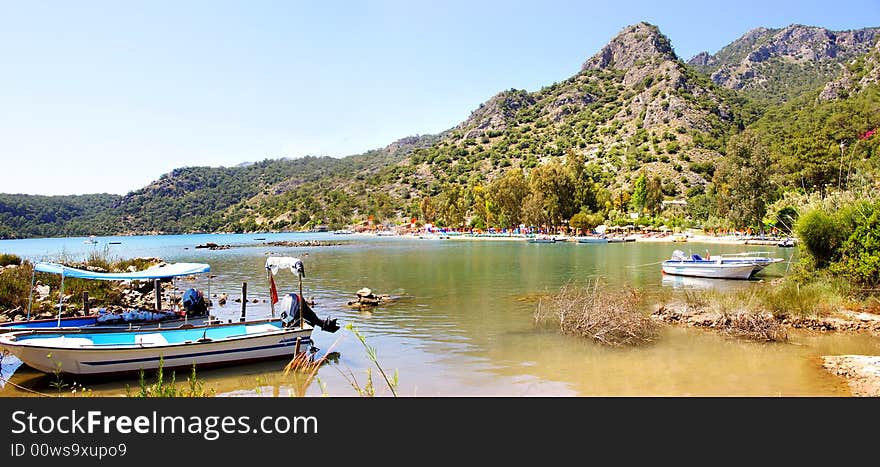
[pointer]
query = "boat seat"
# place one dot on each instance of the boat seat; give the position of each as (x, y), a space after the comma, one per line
(62, 341)
(696, 257)
(150, 339)
(260, 328)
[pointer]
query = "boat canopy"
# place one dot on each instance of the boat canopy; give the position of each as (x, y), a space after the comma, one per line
(274, 263)
(156, 272)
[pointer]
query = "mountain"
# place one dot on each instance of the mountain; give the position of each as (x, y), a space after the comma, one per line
(23, 216)
(778, 64)
(633, 119)
(859, 74)
(633, 105)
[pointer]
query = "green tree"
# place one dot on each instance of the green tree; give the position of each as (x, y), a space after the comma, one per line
(557, 190)
(429, 212)
(585, 221)
(533, 211)
(506, 194)
(654, 196)
(640, 192)
(742, 180)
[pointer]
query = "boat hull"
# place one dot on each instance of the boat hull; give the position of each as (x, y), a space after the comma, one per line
(708, 269)
(592, 240)
(132, 351)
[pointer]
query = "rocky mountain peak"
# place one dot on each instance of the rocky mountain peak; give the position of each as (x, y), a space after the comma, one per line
(778, 62)
(700, 59)
(635, 43)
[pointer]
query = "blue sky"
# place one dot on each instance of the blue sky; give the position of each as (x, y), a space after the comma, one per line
(107, 96)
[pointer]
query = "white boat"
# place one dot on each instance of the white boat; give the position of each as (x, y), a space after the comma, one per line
(758, 262)
(342, 232)
(716, 268)
(592, 239)
(433, 236)
(786, 243)
(90, 240)
(91, 351)
(541, 239)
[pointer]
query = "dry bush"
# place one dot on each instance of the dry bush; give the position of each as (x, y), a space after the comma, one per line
(755, 326)
(613, 318)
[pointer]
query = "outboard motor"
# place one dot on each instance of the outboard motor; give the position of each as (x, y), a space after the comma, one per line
(194, 303)
(290, 314)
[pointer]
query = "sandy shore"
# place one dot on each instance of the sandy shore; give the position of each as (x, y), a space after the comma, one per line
(861, 372)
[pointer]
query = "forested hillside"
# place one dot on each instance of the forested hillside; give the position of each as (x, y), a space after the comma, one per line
(778, 111)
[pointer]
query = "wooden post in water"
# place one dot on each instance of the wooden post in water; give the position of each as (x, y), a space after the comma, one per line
(243, 301)
(85, 302)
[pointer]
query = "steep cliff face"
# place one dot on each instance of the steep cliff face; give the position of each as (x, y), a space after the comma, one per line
(779, 63)
(858, 74)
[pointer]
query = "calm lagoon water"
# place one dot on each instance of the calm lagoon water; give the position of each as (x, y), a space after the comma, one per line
(462, 325)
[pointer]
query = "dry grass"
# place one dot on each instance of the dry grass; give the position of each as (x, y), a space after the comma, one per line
(755, 326)
(304, 369)
(613, 318)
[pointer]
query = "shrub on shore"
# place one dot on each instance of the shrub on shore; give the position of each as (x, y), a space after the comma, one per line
(614, 318)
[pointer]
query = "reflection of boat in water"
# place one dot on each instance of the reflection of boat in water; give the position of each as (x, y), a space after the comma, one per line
(702, 283)
(718, 267)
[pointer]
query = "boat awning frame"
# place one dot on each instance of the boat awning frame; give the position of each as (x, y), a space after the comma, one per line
(157, 272)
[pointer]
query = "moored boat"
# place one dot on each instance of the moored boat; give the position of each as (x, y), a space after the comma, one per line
(718, 267)
(592, 239)
(194, 307)
(88, 353)
(91, 351)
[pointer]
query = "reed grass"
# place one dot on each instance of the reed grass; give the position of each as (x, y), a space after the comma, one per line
(614, 318)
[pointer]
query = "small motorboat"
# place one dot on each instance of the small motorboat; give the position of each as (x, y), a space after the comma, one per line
(592, 239)
(541, 239)
(718, 267)
(786, 243)
(92, 351)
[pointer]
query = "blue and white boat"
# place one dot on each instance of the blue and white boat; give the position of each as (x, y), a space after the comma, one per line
(92, 351)
(717, 267)
(85, 352)
(193, 301)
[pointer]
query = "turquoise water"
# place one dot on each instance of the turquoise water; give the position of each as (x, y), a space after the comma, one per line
(461, 322)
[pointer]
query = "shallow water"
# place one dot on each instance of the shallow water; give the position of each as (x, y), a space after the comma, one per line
(462, 323)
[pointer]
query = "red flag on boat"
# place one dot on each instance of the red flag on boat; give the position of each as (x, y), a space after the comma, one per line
(273, 292)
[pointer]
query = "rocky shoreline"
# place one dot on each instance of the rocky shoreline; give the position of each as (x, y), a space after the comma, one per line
(861, 372)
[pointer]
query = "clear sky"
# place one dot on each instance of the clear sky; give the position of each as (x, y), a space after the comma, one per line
(107, 96)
